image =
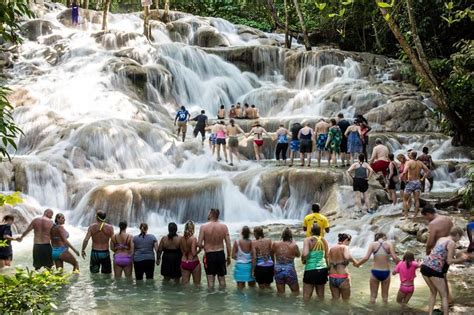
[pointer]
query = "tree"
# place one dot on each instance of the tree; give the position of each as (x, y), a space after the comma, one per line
(287, 35)
(307, 45)
(166, 12)
(106, 11)
(146, 21)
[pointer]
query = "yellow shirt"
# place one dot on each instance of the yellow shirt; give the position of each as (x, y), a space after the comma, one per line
(312, 218)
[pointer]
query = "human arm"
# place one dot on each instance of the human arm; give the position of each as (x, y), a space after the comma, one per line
(131, 246)
(254, 258)
(200, 242)
(158, 252)
(366, 258)
(426, 170)
(430, 243)
(391, 170)
(393, 254)
(228, 246)
(396, 269)
(63, 236)
(305, 228)
(85, 242)
(297, 250)
(28, 230)
(272, 252)
(326, 225)
(326, 251)
(350, 170)
(112, 244)
(305, 251)
(234, 250)
(452, 257)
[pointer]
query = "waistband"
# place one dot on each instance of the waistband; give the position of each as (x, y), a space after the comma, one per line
(339, 276)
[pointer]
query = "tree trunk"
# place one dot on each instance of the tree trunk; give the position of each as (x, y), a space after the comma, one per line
(307, 45)
(157, 5)
(273, 12)
(287, 35)
(166, 13)
(146, 21)
(462, 132)
(86, 4)
(106, 11)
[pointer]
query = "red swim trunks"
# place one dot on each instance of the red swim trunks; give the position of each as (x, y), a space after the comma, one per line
(380, 166)
(258, 142)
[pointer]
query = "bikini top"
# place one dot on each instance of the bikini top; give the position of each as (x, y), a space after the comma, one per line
(243, 257)
(344, 263)
(377, 253)
(121, 245)
(58, 238)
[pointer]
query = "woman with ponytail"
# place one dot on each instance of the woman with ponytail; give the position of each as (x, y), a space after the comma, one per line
(170, 247)
(61, 245)
(190, 264)
(145, 245)
(122, 245)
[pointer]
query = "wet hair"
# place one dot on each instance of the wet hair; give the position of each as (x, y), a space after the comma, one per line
(378, 141)
(258, 232)
(232, 106)
(315, 207)
(428, 210)
(340, 115)
(57, 217)
(245, 232)
(172, 230)
(8, 217)
(101, 215)
(183, 108)
(391, 156)
(188, 229)
(232, 122)
(413, 154)
(222, 106)
(203, 111)
(379, 236)
(316, 230)
(246, 105)
(214, 213)
(425, 150)
(408, 258)
(253, 106)
(333, 122)
(282, 125)
(122, 226)
(287, 235)
(143, 229)
(361, 157)
(401, 156)
(341, 237)
(456, 231)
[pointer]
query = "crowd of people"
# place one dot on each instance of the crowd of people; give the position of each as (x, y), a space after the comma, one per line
(259, 261)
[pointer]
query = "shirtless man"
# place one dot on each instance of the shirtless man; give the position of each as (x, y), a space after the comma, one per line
(247, 111)
(238, 111)
(212, 236)
(233, 131)
(42, 250)
(379, 160)
(254, 112)
(101, 233)
(412, 170)
(321, 131)
(258, 131)
(306, 137)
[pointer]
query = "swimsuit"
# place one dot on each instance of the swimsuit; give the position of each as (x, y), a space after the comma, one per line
(122, 259)
(336, 280)
(220, 137)
(380, 275)
(215, 263)
(285, 273)
(412, 186)
(321, 142)
(100, 260)
(189, 265)
(306, 144)
(336, 137)
(42, 256)
(171, 263)
(265, 270)
(434, 265)
(258, 142)
(380, 166)
(316, 270)
(360, 182)
(295, 145)
(243, 266)
(233, 141)
(6, 252)
(213, 138)
(354, 144)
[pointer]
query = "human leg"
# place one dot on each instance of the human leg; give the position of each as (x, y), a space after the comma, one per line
(440, 286)
(256, 151)
(221, 281)
(70, 259)
(280, 288)
(416, 196)
(307, 291)
(385, 285)
(374, 288)
(197, 275)
(185, 276)
(433, 292)
(139, 271)
(406, 206)
(320, 291)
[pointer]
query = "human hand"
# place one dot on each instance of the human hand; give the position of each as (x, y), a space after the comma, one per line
(158, 261)
(83, 254)
(75, 251)
(19, 239)
(228, 260)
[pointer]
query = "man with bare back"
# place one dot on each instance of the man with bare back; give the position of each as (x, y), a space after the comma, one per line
(321, 130)
(212, 236)
(42, 250)
(101, 233)
(413, 170)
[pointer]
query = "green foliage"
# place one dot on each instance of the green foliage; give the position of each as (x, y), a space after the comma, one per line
(30, 291)
(468, 190)
(8, 129)
(10, 12)
(11, 200)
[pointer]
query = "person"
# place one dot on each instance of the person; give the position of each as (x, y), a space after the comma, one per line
(264, 268)
(392, 179)
(403, 178)
(254, 112)
(258, 131)
(412, 170)
(295, 142)
(343, 125)
(42, 250)
(321, 130)
(212, 137)
(182, 117)
(100, 232)
(122, 245)
(233, 131)
(438, 226)
(379, 160)
(364, 130)
(242, 254)
(354, 142)
(470, 228)
(333, 144)
(144, 248)
(315, 259)
(201, 123)
(247, 111)
(317, 218)
(6, 253)
(285, 252)
(190, 264)
(61, 245)
(360, 181)
(232, 112)
(406, 269)
(170, 247)
(221, 133)
(282, 144)
(428, 161)
(212, 237)
(436, 265)
(221, 113)
(380, 274)
(306, 136)
(339, 258)
(238, 112)
(75, 13)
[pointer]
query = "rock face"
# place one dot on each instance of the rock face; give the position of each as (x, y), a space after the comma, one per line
(207, 36)
(36, 28)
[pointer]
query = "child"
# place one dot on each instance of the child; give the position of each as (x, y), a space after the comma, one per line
(407, 271)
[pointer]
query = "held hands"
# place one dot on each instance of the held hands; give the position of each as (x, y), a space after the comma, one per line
(158, 261)
(228, 260)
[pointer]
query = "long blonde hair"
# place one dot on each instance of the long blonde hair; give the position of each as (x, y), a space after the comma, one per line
(189, 229)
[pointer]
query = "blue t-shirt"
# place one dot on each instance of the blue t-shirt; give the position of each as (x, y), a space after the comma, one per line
(182, 115)
(144, 247)
(5, 229)
(470, 225)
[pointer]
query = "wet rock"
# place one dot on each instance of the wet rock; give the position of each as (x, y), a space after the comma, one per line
(21, 97)
(412, 228)
(207, 36)
(51, 39)
(179, 31)
(36, 28)
(6, 59)
(116, 39)
(422, 234)
(130, 69)
(85, 16)
(299, 60)
(244, 29)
